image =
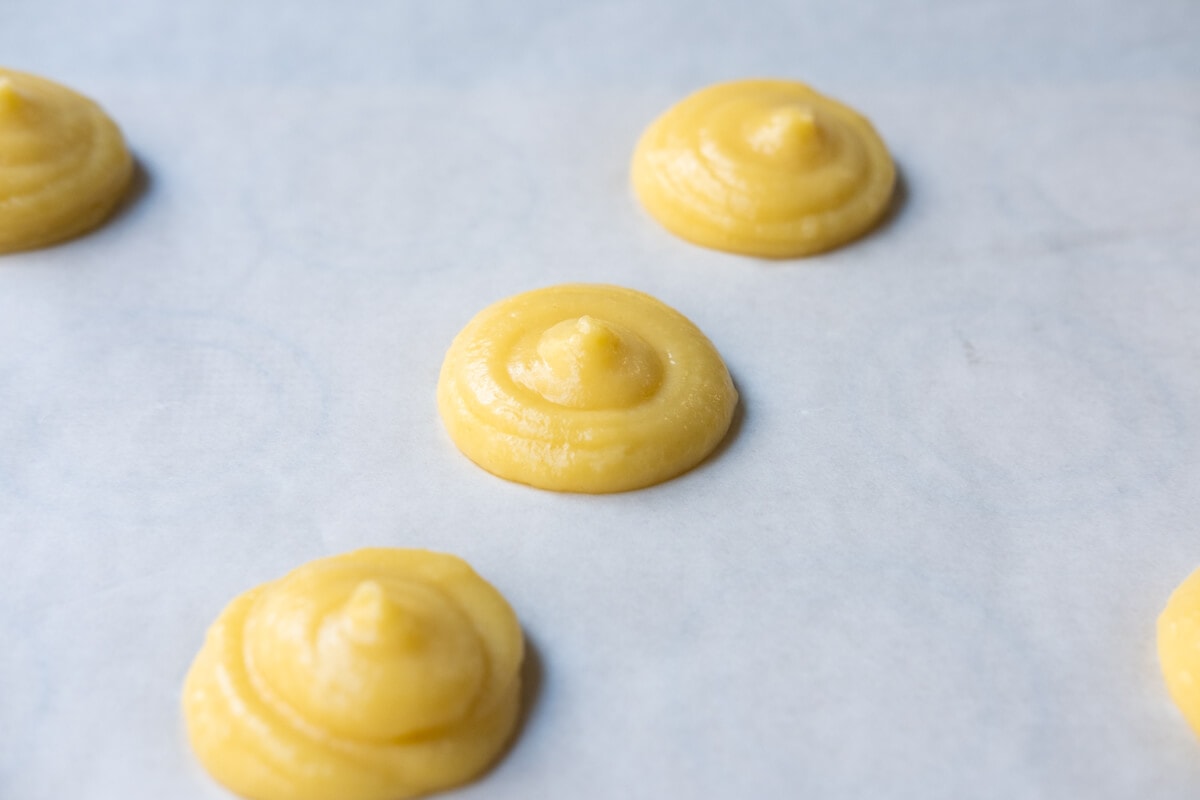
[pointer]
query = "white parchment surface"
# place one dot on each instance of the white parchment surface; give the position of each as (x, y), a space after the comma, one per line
(926, 564)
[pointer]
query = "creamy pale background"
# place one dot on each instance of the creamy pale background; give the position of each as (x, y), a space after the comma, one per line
(927, 565)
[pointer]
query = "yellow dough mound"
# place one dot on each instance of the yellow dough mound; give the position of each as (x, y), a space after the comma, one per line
(766, 168)
(375, 675)
(1179, 648)
(584, 388)
(63, 163)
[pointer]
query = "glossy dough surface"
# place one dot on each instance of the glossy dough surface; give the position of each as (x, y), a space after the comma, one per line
(584, 388)
(63, 163)
(767, 168)
(375, 675)
(1179, 648)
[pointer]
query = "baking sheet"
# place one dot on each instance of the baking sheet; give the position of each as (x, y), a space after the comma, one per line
(928, 560)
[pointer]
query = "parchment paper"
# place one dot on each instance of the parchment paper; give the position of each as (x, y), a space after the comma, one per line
(927, 562)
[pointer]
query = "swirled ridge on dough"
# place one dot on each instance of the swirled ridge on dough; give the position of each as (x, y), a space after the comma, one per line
(375, 675)
(584, 388)
(768, 168)
(64, 165)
